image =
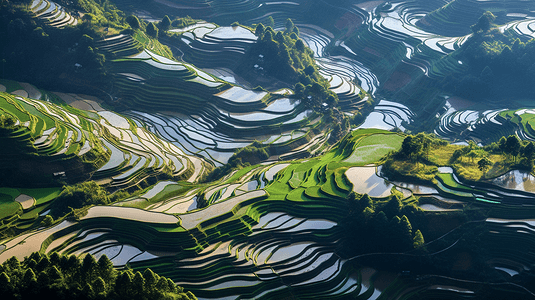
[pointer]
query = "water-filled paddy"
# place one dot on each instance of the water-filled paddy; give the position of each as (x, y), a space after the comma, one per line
(366, 181)
(232, 32)
(516, 180)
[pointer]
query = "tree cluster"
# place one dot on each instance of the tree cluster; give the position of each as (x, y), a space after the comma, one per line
(515, 148)
(81, 195)
(500, 64)
(33, 52)
(250, 155)
(381, 225)
(283, 55)
(67, 277)
(416, 147)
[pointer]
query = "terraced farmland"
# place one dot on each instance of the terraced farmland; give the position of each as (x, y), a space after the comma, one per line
(244, 240)
(52, 13)
(115, 151)
(317, 219)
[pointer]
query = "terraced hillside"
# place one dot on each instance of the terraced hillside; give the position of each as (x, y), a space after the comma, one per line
(263, 229)
(456, 17)
(276, 229)
(44, 139)
(319, 218)
(52, 13)
(78, 144)
(220, 117)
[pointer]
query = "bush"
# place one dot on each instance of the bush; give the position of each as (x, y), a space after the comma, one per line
(152, 30)
(78, 196)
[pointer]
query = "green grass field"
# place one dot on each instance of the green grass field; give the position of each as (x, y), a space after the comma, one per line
(374, 147)
(8, 206)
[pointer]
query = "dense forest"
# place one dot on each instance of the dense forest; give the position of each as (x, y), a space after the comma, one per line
(283, 55)
(500, 64)
(57, 276)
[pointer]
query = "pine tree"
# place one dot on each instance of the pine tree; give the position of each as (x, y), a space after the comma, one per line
(418, 240)
(165, 23)
(151, 30)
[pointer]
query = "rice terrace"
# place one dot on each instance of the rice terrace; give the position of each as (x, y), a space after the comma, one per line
(256, 149)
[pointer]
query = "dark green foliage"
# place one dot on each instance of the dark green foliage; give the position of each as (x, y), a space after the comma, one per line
(284, 56)
(165, 23)
(182, 22)
(417, 147)
(6, 122)
(484, 23)
(133, 21)
(512, 146)
(78, 196)
(500, 65)
(31, 49)
(250, 155)
(380, 226)
(152, 30)
(62, 278)
(260, 29)
(484, 163)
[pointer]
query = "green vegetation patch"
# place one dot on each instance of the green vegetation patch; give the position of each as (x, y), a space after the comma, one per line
(8, 206)
(42, 195)
(87, 278)
(10, 191)
(372, 148)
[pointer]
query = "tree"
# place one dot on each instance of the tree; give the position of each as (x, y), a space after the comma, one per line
(502, 144)
(529, 151)
(162, 285)
(88, 266)
(78, 196)
(138, 282)
(279, 38)
(152, 30)
(512, 145)
(259, 31)
(393, 207)
(99, 286)
(299, 45)
(150, 279)
(418, 240)
(472, 155)
(484, 23)
(105, 268)
(165, 23)
(456, 155)
(47, 221)
(88, 291)
(483, 164)
(6, 121)
(411, 147)
(29, 275)
(5, 283)
(88, 18)
(271, 22)
(133, 21)
(54, 274)
(289, 25)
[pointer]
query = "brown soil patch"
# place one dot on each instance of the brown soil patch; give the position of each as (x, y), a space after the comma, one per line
(397, 80)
